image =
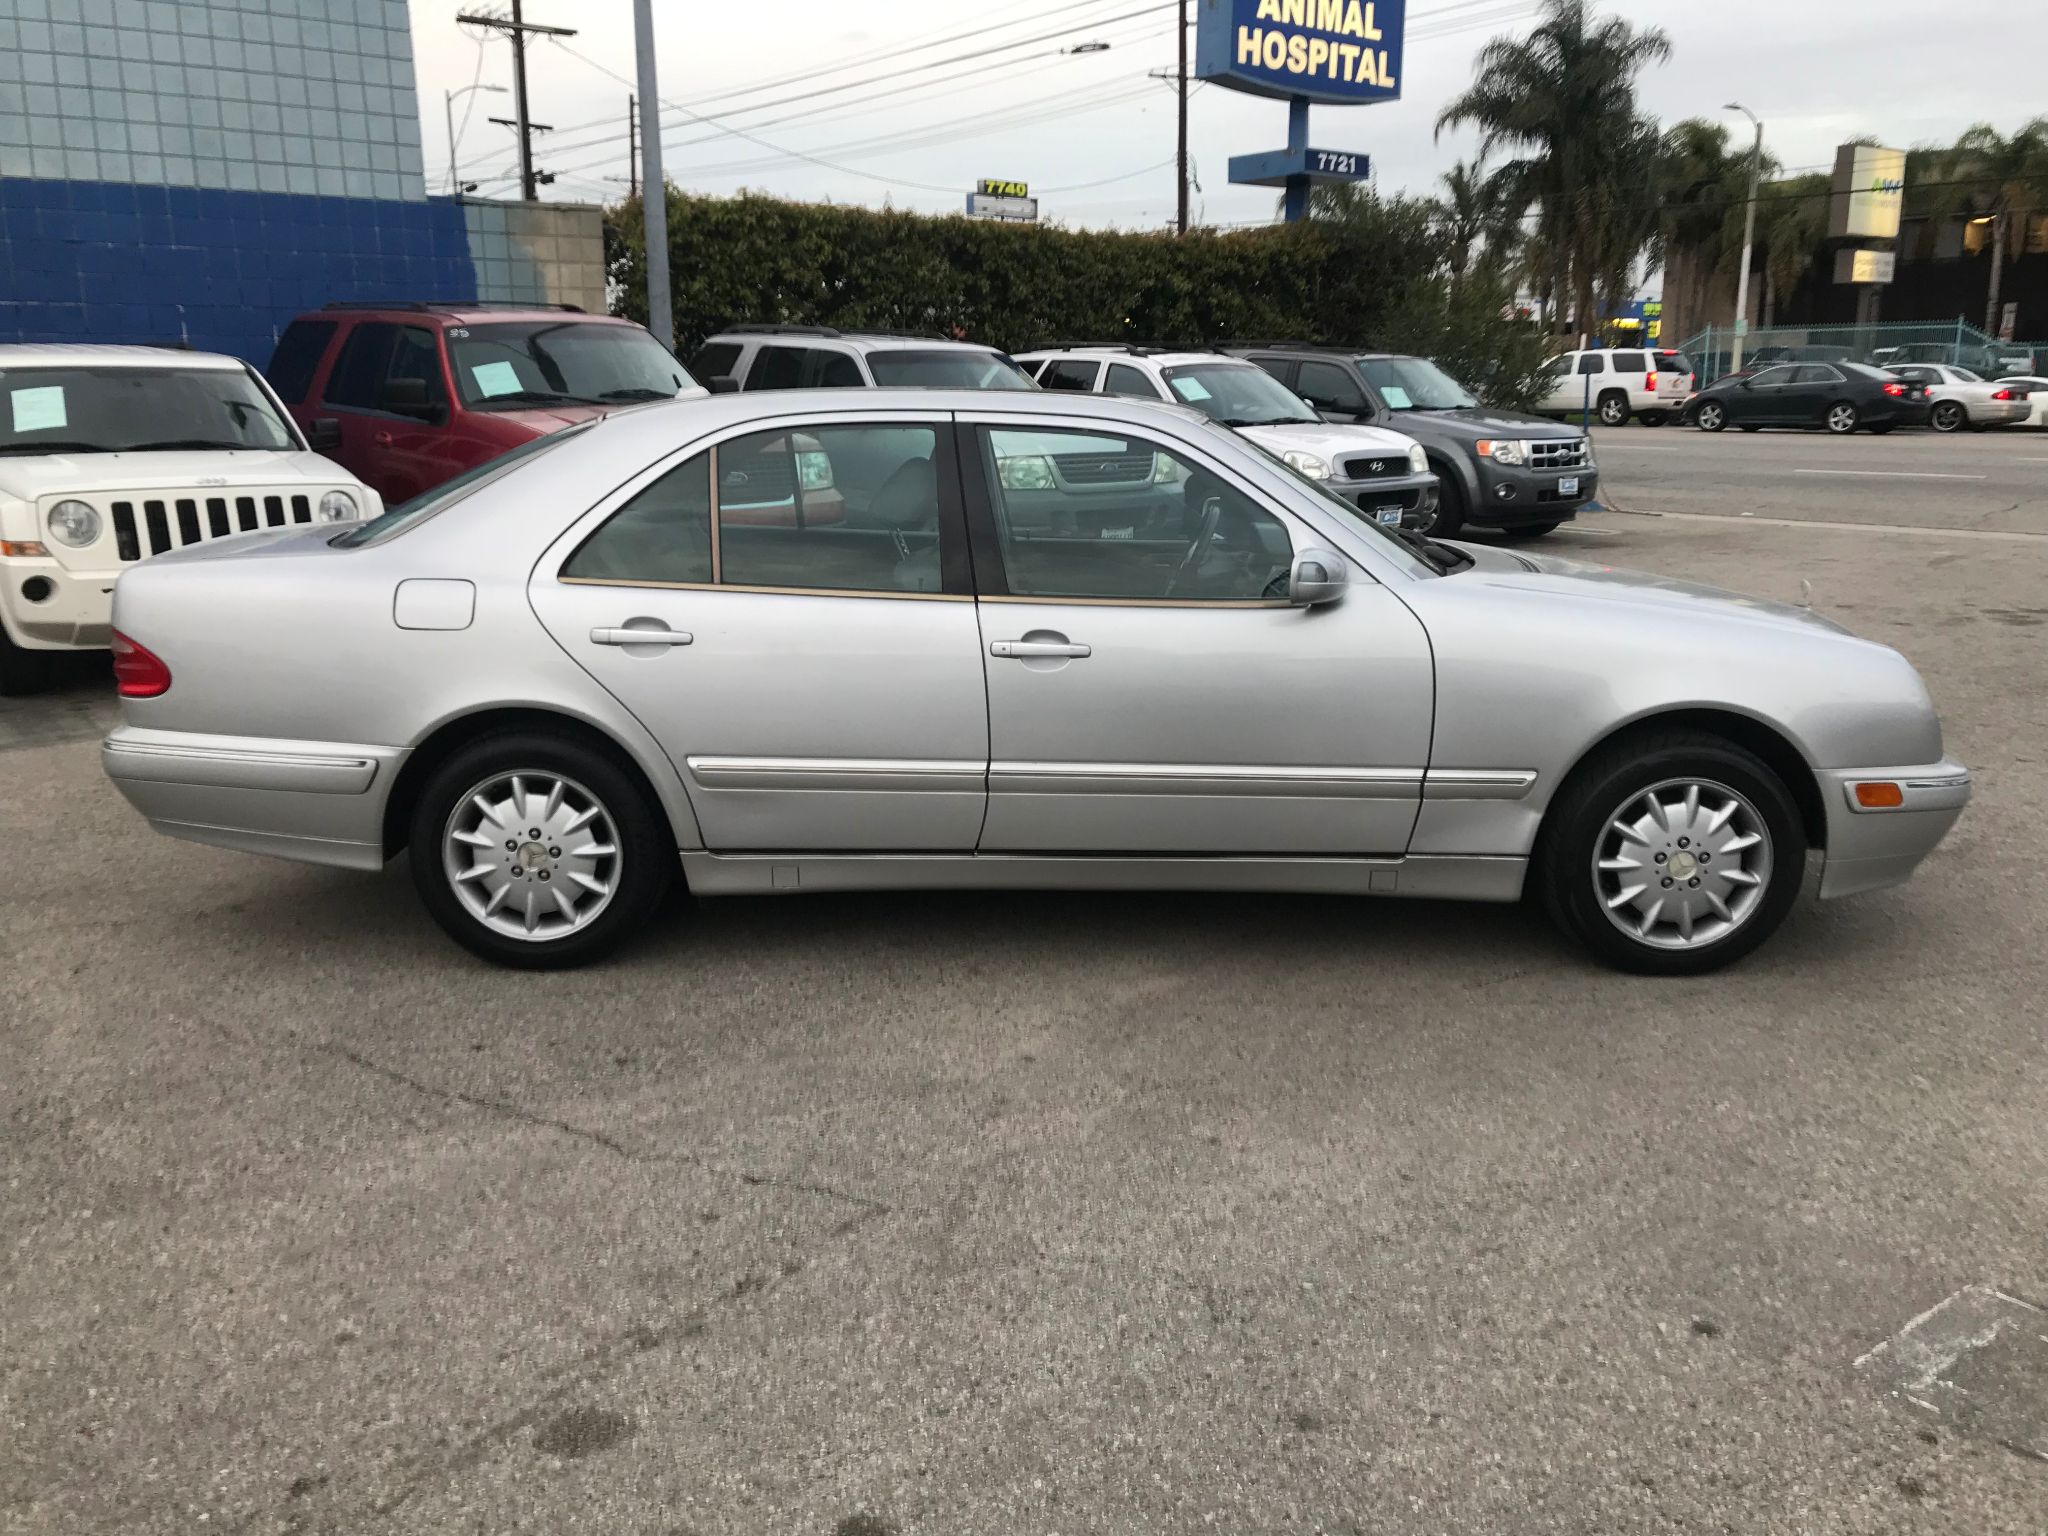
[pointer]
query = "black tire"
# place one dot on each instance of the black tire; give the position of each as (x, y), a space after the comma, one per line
(1841, 418)
(1578, 822)
(1712, 417)
(23, 671)
(1612, 409)
(1652, 418)
(1880, 431)
(1528, 531)
(1948, 416)
(1747, 428)
(1449, 520)
(646, 849)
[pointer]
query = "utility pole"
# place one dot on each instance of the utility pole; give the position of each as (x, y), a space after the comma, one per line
(1756, 166)
(654, 200)
(517, 28)
(1180, 159)
(632, 147)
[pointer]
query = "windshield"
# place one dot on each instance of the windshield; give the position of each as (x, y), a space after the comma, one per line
(1417, 384)
(963, 368)
(443, 496)
(136, 410)
(544, 362)
(1237, 394)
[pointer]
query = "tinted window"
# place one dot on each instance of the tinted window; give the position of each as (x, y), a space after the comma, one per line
(1086, 514)
(1630, 362)
(358, 374)
(662, 534)
(512, 364)
(1328, 387)
(416, 356)
(1592, 362)
(777, 368)
(838, 371)
(297, 358)
(833, 508)
(1069, 373)
(1676, 362)
(1814, 373)
(1778, 375)
(1125, 380)
(950, 368)
(714, 359)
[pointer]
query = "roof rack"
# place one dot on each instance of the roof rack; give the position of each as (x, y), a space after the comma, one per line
(761, 328)
(1130, 349)
(1290, 343)
(442, 306)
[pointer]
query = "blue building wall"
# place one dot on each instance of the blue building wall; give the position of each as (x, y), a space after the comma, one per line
(222, 271)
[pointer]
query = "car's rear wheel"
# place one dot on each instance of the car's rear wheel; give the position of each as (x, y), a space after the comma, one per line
(1672, 854)
(1712, 416)
(1651, 418)
(538, 852)
(1613, 409)
(1841, 418)
(1948, 416)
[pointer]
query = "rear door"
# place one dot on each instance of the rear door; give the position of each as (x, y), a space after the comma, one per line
(1132, 383)
(350, 402)
(790, 612)
(1814, 387)
(1632, 373)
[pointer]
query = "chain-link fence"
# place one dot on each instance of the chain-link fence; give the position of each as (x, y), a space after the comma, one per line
(1949, 341)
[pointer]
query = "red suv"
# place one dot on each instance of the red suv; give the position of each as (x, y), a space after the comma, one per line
(409, 395)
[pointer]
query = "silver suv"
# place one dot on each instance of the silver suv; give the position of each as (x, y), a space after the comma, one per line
(818, 357)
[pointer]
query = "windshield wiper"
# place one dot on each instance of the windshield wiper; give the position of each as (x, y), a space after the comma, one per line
(1439, 557)
(541, 396)
(1266, 421)
(638, 392)
(174, 444)
(49, 447)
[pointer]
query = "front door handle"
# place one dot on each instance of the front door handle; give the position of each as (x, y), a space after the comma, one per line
(641, 637)
(1026, 650)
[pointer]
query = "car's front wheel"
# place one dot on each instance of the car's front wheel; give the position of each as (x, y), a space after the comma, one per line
(1447, 519)
(1712, 416)
(536, 851)
(1672, 854)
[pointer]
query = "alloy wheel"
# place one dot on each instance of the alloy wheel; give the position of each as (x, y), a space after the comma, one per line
(1947, 416)
(1842, 418)
(532, 855)
(1712, 418)
(1682, 864)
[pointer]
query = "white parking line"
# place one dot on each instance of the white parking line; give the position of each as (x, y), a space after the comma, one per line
(1903, 530)
(1891, 474)
(1606, 447)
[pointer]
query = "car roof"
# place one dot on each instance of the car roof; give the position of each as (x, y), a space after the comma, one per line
(462, 312)
(1112, 353)
(874, 341)
(86, 355)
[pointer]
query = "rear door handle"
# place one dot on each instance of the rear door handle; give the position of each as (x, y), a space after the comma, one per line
(1025, 650)
(641, 637)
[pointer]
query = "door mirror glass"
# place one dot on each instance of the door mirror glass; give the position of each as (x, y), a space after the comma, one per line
(407, 397)
(1317, 576)
(722, 384)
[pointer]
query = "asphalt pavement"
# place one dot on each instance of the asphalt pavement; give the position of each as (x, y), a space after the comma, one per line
(1058, 1214)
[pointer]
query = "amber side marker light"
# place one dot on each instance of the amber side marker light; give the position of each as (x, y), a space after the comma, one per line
(1882, 795)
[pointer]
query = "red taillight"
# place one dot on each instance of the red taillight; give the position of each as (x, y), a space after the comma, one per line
(2001, 394)
(139, 673)
(1653, 381)
(1895, 389)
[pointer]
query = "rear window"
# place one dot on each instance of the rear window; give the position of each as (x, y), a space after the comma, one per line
(714, 359)
(952, 368)
(297, 358)
(445, 495)
(1070, 373)
(1676, 362)
(1630, 362)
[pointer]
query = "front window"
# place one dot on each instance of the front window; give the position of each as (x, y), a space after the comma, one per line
(951, 368)
(136, 410)
(1415, 384)
(1237, 394)
(516, 363)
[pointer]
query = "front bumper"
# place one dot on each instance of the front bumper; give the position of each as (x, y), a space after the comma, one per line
(1870, 849)
(1412, 496)
(319, 802)
(1512, 494)
(49, 607)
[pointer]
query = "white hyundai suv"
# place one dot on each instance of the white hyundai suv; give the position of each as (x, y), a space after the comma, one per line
(1384, 474)
(109, 455)
(1615, 383)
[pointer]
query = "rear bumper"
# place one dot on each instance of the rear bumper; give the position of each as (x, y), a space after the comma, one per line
(1869, 849)
(317, 802)
(1999, 413)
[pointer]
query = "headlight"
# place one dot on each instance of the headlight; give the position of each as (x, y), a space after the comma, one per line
(1026, 474)
(1500, 450)
(814, 470)
(1418, 461)
(338, 507)
(74, 523)
(1305, 464)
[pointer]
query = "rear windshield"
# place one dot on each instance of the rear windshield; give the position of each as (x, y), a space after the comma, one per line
(445, 495)
(1676, 362)
(949, 369)
(136, 410)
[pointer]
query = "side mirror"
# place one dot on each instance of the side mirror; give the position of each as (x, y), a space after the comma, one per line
(722, 384)
(1317, 577)
(408, 397)
(324, 435)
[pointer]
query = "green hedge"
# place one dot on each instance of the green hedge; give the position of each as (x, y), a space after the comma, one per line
(1374, 282)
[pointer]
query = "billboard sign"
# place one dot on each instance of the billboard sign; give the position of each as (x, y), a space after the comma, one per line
(1346, 52)
(1273, 167)
(987, 187)
(1869, 193)
(1015, 210)
(1866, 266)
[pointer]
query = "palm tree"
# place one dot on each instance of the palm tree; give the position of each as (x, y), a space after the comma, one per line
(1792, 221)
(1565, 96)
(2001, 180)
(1703, 185)
(1460, 214)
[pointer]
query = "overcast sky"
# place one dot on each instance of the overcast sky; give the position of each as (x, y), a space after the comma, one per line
(1095, 137)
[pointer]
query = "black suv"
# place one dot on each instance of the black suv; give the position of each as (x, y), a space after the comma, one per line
(1506, 470)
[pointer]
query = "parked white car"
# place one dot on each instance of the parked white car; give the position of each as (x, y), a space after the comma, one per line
(109, 455)
(1617, 383)
(1386, 475)
(2037, 396)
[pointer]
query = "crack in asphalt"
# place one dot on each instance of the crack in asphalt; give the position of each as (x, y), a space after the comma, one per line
(477, 1101)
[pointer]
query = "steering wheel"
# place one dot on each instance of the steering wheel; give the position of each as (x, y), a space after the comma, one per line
(1212, 514)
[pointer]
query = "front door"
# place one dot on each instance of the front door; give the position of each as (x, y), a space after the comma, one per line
(1150, 689)
(789, 612)
(1762, 401)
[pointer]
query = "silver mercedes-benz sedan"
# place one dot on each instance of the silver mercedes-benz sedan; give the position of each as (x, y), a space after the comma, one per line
(814, 641)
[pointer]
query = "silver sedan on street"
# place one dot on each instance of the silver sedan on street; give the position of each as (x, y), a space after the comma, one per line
(814, 641)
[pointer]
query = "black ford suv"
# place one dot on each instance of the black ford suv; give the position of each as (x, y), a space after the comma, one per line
(1519, 474)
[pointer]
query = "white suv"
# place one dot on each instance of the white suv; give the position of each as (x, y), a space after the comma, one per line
(1386, 475)
(1617, 383)
(109, 455)
(819, 357)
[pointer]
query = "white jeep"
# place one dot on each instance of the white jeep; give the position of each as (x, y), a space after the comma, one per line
(109, 455)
